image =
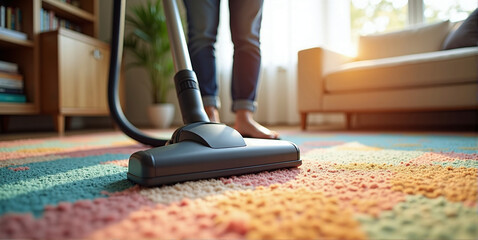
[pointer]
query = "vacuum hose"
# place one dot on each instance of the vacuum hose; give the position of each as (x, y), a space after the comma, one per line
(185, 80)
(114, 72)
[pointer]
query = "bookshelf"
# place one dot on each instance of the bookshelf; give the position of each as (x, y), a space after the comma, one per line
(75, 20)
(24, 53)
(85, 16)
(8, 42)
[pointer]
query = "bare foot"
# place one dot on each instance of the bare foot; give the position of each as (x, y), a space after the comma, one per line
(248, 127)
(212, 113)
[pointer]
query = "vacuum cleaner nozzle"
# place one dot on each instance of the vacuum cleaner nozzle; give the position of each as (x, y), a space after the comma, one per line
(198, 155)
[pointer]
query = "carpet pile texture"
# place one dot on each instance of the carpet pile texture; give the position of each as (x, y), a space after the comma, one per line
(350, 186)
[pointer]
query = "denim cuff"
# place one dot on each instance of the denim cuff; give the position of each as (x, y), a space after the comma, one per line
(244, 105)
(211, 101)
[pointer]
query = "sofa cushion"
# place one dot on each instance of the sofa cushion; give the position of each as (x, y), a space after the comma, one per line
(424, 69)
(427, 98)
(466, 35)
(419, 39)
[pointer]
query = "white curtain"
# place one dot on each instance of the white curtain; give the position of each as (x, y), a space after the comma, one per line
(287, 27)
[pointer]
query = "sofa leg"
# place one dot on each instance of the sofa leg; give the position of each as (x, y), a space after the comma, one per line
(303, 120)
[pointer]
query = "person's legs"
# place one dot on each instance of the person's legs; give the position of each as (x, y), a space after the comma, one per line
(245, 23)
(245, 20)
(203, 20)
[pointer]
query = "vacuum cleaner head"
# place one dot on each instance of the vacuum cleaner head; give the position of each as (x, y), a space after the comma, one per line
(198, 155)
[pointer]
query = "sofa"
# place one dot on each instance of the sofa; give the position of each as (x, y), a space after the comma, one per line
(424, 68)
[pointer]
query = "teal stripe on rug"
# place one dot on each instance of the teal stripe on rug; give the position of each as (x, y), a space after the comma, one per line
(24, 187)
(35, 201)
(407, 142)
(70, 179)
(39, 169)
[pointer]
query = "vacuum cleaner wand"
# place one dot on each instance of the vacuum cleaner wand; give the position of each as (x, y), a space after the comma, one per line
(199, 149)
(187, 88)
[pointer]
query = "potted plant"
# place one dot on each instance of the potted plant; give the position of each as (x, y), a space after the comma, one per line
(149, 44)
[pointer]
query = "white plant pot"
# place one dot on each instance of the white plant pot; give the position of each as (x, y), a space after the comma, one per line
(161, 115)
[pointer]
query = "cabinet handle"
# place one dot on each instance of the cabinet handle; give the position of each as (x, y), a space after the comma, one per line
(97, 54)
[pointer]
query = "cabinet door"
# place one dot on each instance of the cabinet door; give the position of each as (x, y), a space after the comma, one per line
(83, 72)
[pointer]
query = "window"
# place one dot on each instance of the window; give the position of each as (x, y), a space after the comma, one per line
(372, 16)
(454, 10)
(375, 16)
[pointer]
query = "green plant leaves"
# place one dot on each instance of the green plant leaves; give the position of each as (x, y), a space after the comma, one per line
(149, 45)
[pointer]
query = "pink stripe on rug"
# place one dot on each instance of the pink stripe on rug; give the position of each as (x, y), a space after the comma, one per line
(73, 220)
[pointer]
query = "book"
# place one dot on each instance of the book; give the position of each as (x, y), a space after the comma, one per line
(13, 33)
(16, 98)
(18, 19)
(55, 23)
(41, 19)
(49, 21)
(2, 16)
(13, 76)
(11, 90)
(10, 83)
(11, 80)
(9, 17)
(14, 20)
(8, 67)
(11, 22)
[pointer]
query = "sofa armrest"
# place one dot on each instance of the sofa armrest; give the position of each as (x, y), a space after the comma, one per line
(313, 65)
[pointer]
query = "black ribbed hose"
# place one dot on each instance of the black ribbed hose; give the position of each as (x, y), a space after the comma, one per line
(113, 80)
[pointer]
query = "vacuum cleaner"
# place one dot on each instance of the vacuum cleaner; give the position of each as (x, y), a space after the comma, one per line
(200, 149)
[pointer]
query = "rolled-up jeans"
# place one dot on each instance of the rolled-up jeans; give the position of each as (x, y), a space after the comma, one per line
(245, 24)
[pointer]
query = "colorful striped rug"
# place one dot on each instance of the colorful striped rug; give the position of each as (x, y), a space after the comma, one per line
(350, 186)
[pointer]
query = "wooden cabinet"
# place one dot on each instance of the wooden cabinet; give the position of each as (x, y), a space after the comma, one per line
(74, 75)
